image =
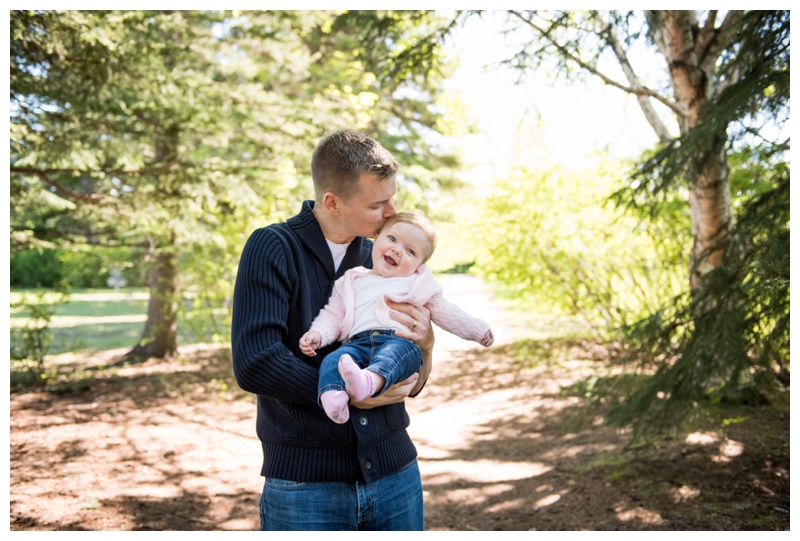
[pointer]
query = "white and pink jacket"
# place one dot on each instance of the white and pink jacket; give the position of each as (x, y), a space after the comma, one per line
(336, 319)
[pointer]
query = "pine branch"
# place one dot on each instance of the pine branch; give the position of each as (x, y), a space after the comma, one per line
(43, 175)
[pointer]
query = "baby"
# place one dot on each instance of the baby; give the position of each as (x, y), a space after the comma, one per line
(372, 358)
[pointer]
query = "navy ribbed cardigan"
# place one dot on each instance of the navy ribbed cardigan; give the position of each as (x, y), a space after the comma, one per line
(285, 278)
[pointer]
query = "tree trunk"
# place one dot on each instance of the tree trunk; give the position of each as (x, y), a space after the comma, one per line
(709, 193)
(711, 212)
(160, 335)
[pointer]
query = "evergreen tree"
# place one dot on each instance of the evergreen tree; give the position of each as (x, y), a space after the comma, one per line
(181, 131)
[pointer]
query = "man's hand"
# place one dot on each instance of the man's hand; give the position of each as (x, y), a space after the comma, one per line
(418, 329)
(393, 395)
(415, 319)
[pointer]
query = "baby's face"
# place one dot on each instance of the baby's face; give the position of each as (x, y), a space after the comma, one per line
(399, 250)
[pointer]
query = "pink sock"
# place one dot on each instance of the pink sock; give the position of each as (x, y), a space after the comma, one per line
(335, 405)
(358, 382)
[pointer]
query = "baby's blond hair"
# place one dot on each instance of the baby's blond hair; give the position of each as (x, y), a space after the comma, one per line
(418, 220)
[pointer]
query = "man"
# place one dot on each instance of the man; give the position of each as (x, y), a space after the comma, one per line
(320, 475)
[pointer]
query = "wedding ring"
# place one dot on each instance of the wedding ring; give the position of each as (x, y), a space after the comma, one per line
(414, 326)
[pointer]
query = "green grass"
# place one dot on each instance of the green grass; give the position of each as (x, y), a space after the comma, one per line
(92, 319)
(86, 302)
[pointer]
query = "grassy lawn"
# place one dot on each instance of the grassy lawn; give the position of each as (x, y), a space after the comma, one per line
(92, 319)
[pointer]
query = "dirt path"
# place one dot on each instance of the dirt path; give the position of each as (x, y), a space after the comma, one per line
(171, 446)
(498, 450)
(487, 451)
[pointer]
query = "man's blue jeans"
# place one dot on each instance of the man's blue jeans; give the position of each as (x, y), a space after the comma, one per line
(392, 503)
(394, 358)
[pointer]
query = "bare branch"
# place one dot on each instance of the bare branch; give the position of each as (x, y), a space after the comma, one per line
(727, 25)
(705, 36)
(718, 43)
(644, 103)
(656, 26)
(641, 91)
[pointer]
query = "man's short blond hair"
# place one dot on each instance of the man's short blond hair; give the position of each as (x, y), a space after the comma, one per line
(342, 157)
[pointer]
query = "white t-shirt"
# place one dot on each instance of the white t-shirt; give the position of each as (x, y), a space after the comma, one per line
(337, 251)
(368, 291)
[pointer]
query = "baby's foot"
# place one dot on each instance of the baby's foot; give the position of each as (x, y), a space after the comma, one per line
(335, 405)
(359, 383)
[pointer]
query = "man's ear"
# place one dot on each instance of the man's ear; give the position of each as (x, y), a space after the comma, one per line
(331, 202)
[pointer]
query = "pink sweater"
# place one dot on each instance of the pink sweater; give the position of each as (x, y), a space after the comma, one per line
(336, 319)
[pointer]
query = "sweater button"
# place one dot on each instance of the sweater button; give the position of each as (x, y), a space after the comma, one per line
(363, 421)
(367, 465)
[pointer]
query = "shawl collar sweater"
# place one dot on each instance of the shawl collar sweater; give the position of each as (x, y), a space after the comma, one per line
(284, 279)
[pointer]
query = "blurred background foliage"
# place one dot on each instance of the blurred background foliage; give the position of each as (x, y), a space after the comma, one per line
(136, 134)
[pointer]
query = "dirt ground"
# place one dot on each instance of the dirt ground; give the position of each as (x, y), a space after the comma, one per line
(170, 445)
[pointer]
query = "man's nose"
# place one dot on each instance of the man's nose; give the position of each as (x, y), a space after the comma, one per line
(389, 209)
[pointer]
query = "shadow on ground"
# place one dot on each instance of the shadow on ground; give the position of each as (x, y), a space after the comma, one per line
(170, 445)
(507, 447)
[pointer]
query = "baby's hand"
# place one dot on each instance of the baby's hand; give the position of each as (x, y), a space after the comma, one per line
(488, 339)
(309, 343)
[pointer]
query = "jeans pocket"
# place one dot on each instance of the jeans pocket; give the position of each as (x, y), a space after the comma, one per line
(283, 484)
